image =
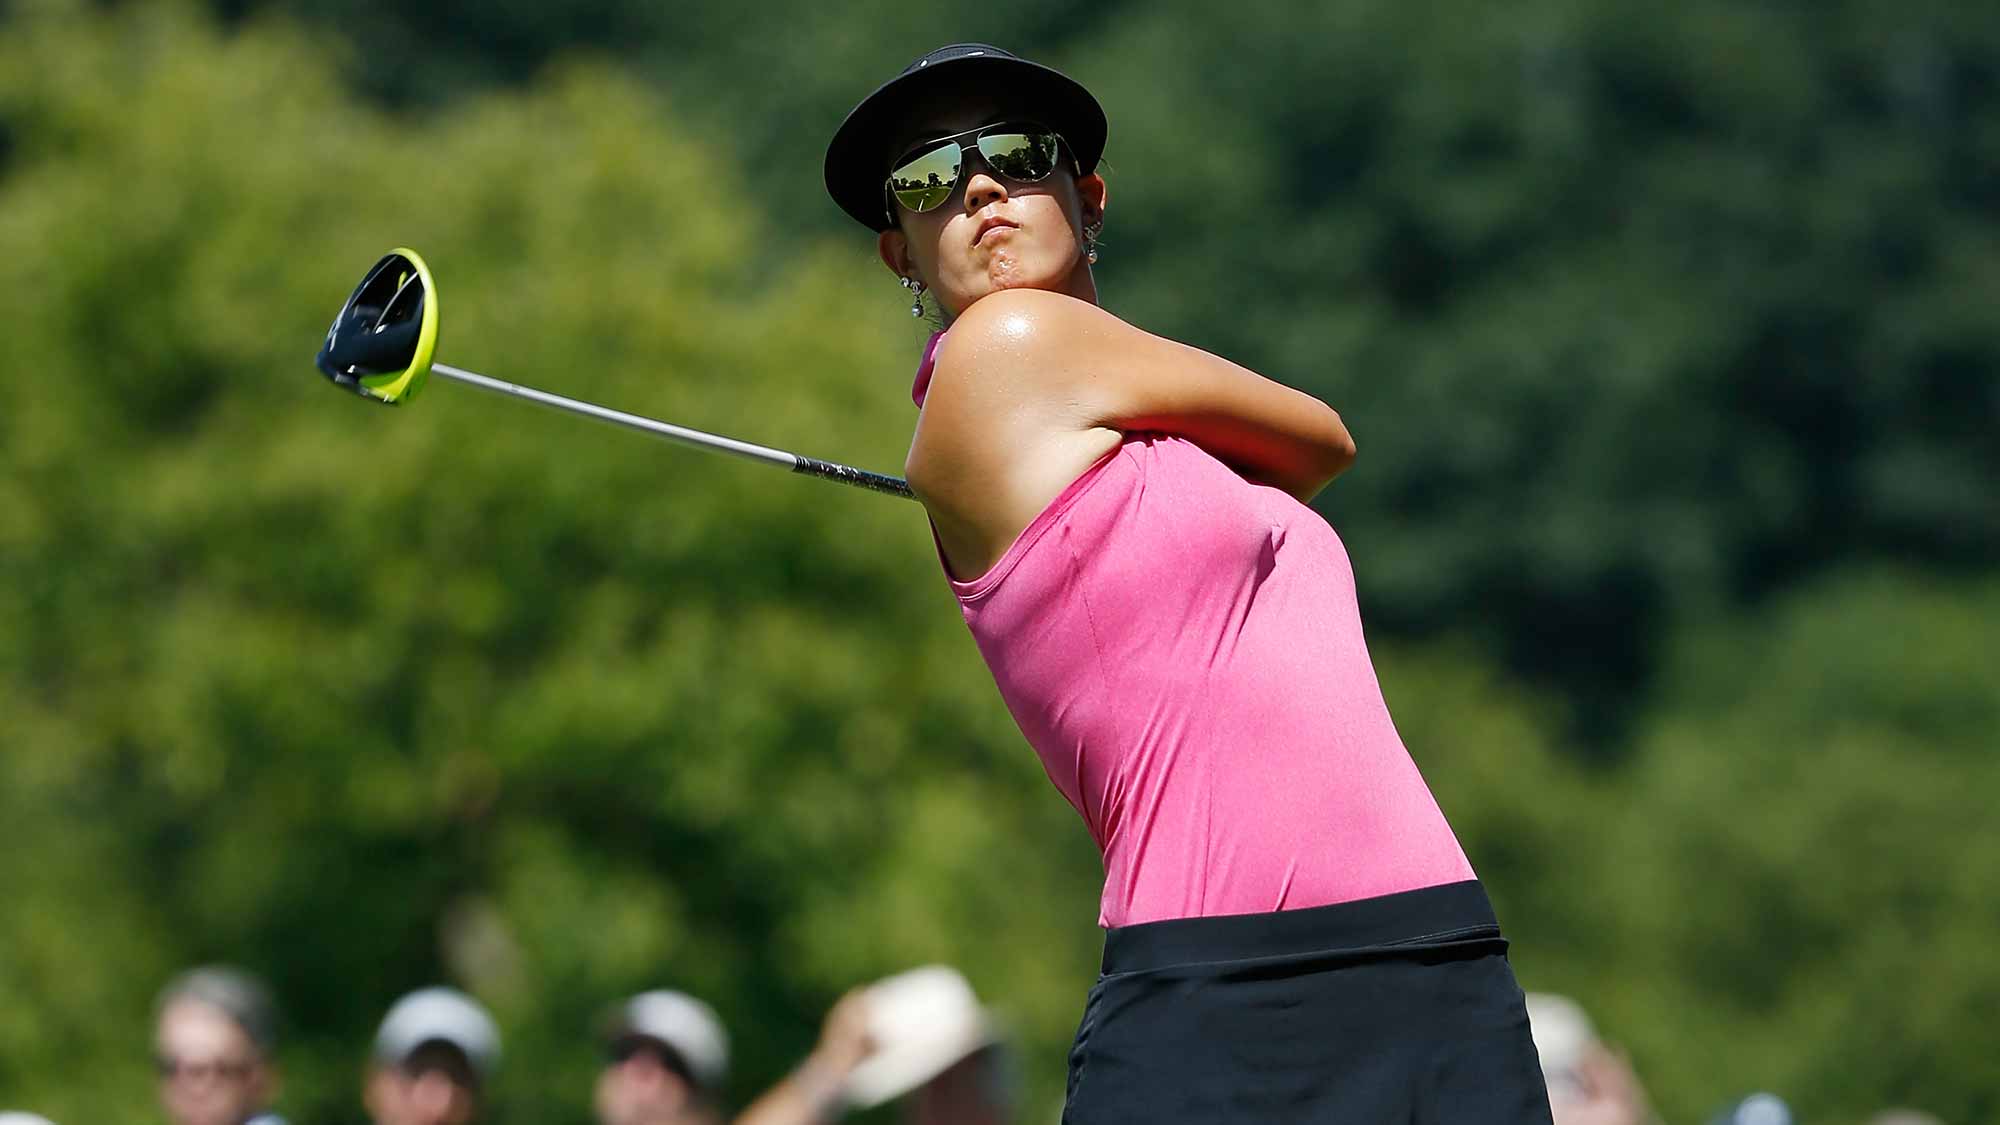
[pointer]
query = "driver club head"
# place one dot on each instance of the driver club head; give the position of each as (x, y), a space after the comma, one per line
(382, 341)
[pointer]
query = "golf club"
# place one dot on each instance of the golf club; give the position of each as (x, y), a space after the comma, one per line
(383, 345)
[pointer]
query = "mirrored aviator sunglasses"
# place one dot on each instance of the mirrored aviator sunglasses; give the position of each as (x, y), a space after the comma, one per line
(927, 175)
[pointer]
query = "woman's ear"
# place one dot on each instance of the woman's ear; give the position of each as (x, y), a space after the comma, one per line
(1093, 194)
(895, 250)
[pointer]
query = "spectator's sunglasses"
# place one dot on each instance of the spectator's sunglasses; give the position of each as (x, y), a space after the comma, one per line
(172, 1068)
(927, 175)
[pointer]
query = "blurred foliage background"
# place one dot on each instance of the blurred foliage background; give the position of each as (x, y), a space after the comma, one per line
(1668, 333)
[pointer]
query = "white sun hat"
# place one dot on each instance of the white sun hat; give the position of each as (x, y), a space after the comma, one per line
(922, 1022)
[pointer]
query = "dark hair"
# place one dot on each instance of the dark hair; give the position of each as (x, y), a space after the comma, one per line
(444, 1056)
(631, 1043)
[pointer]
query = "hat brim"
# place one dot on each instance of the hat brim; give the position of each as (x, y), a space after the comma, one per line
(857, 159)
(899, 1067)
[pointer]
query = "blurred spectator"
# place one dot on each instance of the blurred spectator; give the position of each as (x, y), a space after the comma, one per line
(16, 1117)
(668, 1062)
(1589, 1083)
(214, 1037)
(433, 1056)
(920, 1036)
(1903, 1117)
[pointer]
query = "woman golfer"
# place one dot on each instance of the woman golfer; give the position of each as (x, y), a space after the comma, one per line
(1293, 933)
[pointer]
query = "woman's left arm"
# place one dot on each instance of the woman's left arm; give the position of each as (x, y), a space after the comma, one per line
(1270, 433)
(1120, 377)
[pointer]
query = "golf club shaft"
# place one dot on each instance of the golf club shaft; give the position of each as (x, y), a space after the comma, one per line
(860, 478)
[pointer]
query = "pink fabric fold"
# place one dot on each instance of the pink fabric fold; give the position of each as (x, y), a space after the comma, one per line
(925, 366)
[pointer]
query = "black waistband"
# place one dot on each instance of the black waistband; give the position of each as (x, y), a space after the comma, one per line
(1452, 913)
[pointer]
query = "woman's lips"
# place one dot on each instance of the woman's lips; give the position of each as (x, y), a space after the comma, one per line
(989, 226)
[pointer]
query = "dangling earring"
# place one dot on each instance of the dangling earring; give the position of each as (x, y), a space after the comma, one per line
(1090, 234)
(916, 289)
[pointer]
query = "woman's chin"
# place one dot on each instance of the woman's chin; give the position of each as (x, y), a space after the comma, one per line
(1013, 276)
(1017, 275)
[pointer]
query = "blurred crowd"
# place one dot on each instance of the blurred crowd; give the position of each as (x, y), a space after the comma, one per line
(1592, 1082)
(920, 1039)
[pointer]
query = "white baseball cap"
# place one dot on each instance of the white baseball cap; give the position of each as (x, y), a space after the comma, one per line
(682, 1024)
(15, 1117)
(922, 1022)
(434, 1015)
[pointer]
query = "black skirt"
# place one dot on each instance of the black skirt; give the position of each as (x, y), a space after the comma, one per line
(1379, 1012)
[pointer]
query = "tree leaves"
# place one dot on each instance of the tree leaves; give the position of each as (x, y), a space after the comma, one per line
(1657, 328)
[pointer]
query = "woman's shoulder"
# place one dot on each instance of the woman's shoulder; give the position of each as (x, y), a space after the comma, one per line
(1003, 432)
(1038, 306)
(1019, 358)
(1012, 325)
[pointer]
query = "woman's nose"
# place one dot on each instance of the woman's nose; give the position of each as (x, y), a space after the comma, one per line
(982, 187)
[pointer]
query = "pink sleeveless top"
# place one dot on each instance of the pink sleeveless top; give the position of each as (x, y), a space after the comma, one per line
(1183, 650)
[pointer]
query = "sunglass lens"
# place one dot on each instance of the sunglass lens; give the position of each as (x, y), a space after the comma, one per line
(924, 181)
(1027, 157)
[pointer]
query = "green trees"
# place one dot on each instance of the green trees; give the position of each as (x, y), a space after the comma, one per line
(1637, 311)
(1741, 256)
(1667, 340)
(368, 697)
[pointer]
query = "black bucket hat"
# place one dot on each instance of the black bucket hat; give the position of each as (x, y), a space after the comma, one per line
(857, 159)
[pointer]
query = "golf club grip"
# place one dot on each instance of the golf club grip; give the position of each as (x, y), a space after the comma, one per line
(859, 478)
